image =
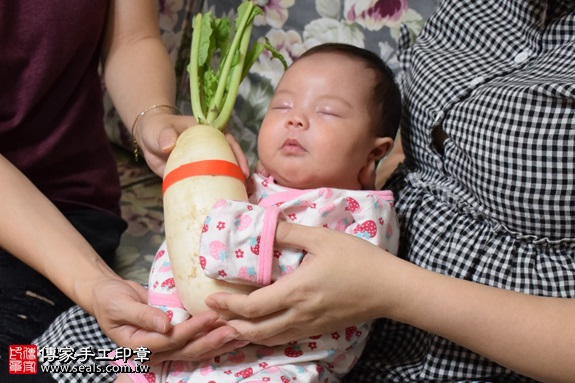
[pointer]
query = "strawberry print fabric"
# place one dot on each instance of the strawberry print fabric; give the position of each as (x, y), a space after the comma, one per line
(162, 291)
(237, 241)
(237, 246)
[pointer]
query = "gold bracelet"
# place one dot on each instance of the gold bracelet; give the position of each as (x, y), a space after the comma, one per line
(139, 116)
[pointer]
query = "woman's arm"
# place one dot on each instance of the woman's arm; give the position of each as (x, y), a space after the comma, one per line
(34, 230)
(532, 335)
(138, 74)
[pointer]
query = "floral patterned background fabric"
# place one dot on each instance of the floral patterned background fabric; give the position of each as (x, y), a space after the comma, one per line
(292, 26)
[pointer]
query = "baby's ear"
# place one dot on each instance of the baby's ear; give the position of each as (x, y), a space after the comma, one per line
(382, 146)
(366, 177)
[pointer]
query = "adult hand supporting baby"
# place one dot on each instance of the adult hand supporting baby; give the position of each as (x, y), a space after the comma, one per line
(344, 280)
(127, 318)
(321, 295)
(130, 322)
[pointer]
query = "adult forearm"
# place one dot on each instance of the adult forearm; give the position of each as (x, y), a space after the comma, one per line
(137, 69)
(138, 78)
(34, 230)
(532, 335)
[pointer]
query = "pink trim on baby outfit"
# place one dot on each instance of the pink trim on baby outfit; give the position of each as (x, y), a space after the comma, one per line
(265, 259)
(293, 194)
(386, 195)
(160, 299)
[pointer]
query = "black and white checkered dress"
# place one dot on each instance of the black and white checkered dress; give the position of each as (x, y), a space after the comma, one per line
(494, 201)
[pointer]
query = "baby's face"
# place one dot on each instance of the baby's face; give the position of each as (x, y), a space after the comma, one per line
(318, 130)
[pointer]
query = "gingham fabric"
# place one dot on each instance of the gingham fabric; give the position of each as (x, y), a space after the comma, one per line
(495, 203)
(75, 329)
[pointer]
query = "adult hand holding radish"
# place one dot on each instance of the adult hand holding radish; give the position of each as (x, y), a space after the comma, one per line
(155, 135)
(202, 167)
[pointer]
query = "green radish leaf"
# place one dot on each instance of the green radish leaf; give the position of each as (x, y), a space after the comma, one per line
(275, 53)
(221, 34)
(220, 61)
(251, 58)
(256, 50)
(205, 39)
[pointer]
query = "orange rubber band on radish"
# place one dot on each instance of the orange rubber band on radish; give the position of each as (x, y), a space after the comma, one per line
(203, 168)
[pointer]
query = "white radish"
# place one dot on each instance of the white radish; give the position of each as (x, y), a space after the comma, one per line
(186, 205)
(189, 194)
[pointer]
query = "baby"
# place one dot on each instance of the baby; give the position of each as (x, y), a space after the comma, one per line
(333, 116)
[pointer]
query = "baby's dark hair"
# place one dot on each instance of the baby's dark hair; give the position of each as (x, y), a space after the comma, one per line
(386, 93)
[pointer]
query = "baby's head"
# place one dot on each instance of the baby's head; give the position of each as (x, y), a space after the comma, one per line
(334, 114)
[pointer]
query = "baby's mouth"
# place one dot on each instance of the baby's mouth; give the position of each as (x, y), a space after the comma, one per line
(292, 145)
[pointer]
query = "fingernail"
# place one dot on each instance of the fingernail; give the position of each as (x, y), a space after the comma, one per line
(165, 146)
(159, 325)
(241, 343)
(210, 302)
(213, 318)
(230, 337)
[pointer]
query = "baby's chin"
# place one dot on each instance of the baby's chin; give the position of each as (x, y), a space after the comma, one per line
(305, 183)
(296, 181)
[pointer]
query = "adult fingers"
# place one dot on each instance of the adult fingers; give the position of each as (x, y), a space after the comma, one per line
(174, 338)
(260, 169)
(169, 134)
(298, 236)
(141, 314)
(260, 315)
(239, 154)
(203, 346)
(158, 137)
(256, 305)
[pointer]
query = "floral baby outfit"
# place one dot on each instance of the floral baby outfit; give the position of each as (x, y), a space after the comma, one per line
(237, 246)
(238, 240)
